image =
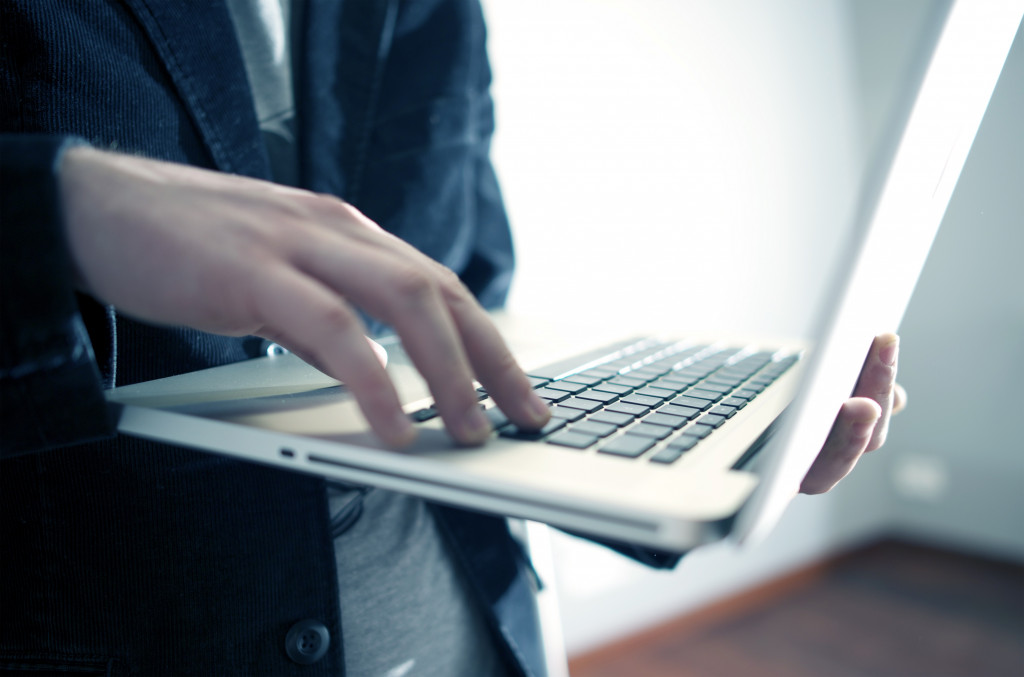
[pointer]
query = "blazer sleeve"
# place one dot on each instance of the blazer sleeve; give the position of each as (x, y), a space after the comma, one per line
(51, 391)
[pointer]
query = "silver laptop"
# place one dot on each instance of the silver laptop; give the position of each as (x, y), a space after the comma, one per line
(666, 441)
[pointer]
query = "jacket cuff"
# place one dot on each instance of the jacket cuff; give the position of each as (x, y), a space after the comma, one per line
(51, 391)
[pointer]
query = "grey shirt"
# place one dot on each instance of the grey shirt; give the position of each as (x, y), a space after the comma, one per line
(406, 609)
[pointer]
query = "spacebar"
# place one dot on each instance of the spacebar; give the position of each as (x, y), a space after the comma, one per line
(580, 360)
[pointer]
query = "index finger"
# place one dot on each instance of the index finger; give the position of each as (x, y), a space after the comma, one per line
(316, 324)
(402, 289)
(493, 363)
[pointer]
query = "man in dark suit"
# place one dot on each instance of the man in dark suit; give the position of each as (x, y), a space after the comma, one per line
(143, 237)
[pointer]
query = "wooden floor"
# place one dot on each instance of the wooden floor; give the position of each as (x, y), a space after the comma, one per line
(891, 609)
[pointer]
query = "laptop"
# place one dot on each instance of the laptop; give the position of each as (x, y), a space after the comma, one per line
(662, 441)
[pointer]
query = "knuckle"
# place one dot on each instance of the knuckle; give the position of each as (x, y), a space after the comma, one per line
(878, 382)
(885, 391)
(338, 212)
(333, 205)
(412, 285)
(448, 277)
(339, 318)
(455, 290)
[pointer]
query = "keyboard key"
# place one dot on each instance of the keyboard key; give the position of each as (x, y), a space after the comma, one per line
(667, 455)
(737, 402)
(592, 427)
(639, 378)
(602, 372)
(551, 395)
(677, 381)
(565, 386)
(704, 394)
(615, 418)
(715, 387)
(723, 410)
(665, 383)
(568, 438)
(684, 442)
(598, 396)
(682, 412)
(685, 401)
(628, 408)
(517, 433)
(627, 381)
(691, 374)
(613, 388)
(582, 378)
(425, 414)
(651, 391)
(712, 420)
(647, 373)
(662, 419)
(642, 400)
(537, 381)
(745, 393)
(699, 431)
(627, 445)
(566, 414)
(577, 403)
(722, 383)
(644, 429)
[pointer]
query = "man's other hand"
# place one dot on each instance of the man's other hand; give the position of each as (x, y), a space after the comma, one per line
(863, 420)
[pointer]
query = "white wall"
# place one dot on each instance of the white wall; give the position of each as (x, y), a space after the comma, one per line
(642, 142)
(640, 139)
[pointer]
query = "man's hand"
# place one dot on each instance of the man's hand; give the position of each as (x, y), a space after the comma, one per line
(863, 420)
(177, 245)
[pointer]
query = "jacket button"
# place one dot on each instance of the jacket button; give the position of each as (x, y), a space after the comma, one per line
(307, 642)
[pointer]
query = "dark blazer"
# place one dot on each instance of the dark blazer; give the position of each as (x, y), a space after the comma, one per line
(119, 556)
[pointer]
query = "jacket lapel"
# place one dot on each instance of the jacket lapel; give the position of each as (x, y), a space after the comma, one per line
(196, 42)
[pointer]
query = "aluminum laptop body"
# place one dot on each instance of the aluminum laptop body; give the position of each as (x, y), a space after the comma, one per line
(281, 412)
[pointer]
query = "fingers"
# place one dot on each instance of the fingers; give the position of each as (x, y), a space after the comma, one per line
(315, 323)
(489, 357)
(878, 382)
(863, 420)
(445, 332)
(418, 313)
(493, 363)
(851, 433)
(286, 264)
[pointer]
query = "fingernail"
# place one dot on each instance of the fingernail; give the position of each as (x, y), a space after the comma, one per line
(475, 427)
(889, 351)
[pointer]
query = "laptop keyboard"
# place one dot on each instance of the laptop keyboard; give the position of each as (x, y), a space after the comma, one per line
(646, 399)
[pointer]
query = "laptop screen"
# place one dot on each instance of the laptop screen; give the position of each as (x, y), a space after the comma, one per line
(908, 188)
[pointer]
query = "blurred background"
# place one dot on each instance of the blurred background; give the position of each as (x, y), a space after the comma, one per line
(643, 143)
